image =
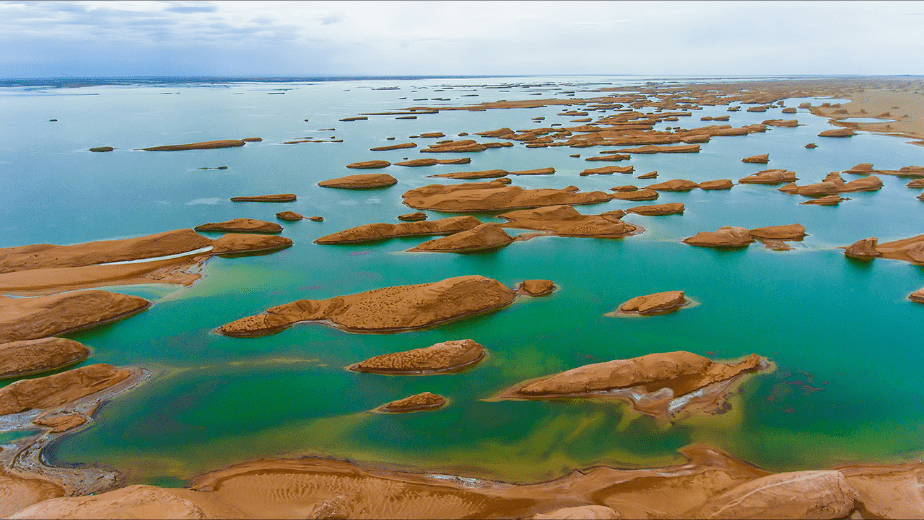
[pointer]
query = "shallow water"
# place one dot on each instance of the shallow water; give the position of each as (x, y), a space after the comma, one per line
(841, 334)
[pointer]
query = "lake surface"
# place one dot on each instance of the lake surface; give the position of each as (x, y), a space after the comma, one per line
(842, 335)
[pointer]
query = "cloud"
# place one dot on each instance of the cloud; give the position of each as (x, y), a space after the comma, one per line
(332, 19)
(187, 8)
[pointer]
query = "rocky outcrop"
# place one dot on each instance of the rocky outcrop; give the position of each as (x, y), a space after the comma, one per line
(607, 170)
(864, 249)
(637, 195)
(769, 177)
(654, 384)
(289, 216)
(137, 501)
(609, 157)
(649, 175)
(433, 162)
(834, 184)
(536, 287)
(367, 165)
(785, 123)
(59, 389)
(484, 237)
(725, 237)
(827, 200)
(495, 196)
(811, 146)
(279, 197)
(242, 225)
(837, 132)
(654, 304)
(917, 296)
(915, 183)
(537, 171)
(651, 148)
(390, 309)
(674, 185)
(448, 356)
(720, 184)
(565, 221)
(394, 147)
(801, 494)
(788, 232)
(245, 244)
(465, 145)
(61, 423)
(360, 182)
(757, 159)
(384, 231)
(46, 316)
(908, 249)
(414, 403)
(21, 358)
(102, 149)
(205, 145)
(483, 174)
(673, 208)
(413, 217)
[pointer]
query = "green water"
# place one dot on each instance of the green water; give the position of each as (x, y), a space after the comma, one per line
(842, 334)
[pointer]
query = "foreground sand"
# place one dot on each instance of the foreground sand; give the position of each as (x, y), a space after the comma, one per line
(710, 484)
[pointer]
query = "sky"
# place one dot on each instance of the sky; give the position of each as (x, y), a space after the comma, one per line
(40, 39)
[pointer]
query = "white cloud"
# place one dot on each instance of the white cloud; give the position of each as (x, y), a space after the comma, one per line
(305, 38)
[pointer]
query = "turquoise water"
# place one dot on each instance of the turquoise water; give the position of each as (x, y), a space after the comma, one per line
(841, 334)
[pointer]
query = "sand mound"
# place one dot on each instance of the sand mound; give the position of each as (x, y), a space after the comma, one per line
(393, 147)
(241, 225)
(788, 232)
(61, 423)
(360, 182)
(827, 200)
(39, 256)
(757, 159)
(834, 184)
(724, 237)
(484, 237)
(652, 304)
(567, 222)
(721, 184)
(482, 174)
(673, 208)
(607, 170)
(56, 390)
(536, 287)
(801, 494)
(674, 185)
(578, 512)
(413, 217)
(243, 244)
(769, 177)
(290, 216)
(415, 403)
(366, 165)
(205, 145)
(495, 196)
(837, 132)
(391, 309)
(129, 502)
(19, 358)
(383, 231)
(442, 357)
(908, 249)
(637, 195)
(537, 171)
(45, 316)
(651, 383)
(17, 492)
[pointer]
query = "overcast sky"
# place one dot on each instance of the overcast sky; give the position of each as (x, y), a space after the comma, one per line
(122, 38)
